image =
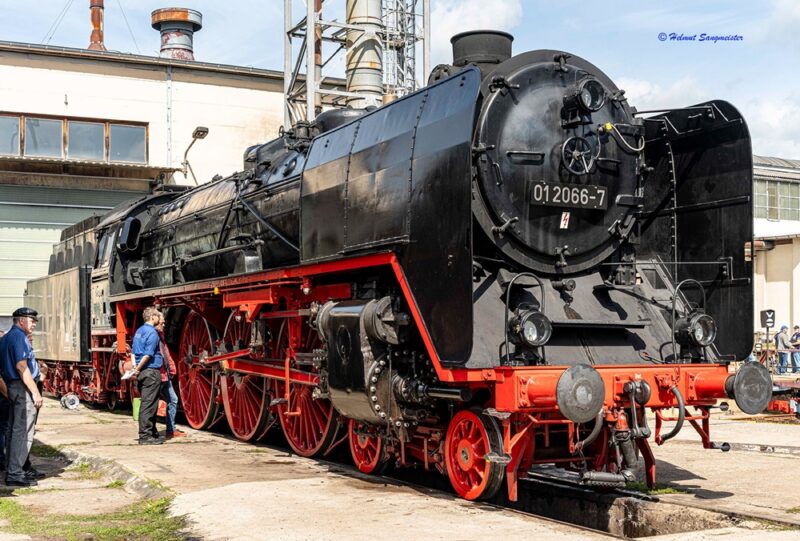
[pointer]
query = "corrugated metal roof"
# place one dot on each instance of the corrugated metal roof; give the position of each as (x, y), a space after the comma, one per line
(768, 161)
(114, 56)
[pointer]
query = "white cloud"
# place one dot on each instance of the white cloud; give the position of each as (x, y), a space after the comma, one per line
(646, 95)
(773, 126)
(770, 119)
(449, 17)
(781, 23)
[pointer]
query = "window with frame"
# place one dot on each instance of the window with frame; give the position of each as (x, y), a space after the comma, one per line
(9, 135)
(127, 144)
(81, 139)
(776, 200)
(44, 137)
(86, 141)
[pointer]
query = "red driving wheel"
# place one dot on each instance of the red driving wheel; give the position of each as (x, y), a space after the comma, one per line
(198, 383)
(366, 447)
(471, 436)
(309, 424)
(244, 396)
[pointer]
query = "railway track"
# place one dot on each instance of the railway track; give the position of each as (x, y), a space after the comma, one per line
(555, 496)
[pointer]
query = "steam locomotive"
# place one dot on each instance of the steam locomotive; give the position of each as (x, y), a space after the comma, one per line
(503, 269)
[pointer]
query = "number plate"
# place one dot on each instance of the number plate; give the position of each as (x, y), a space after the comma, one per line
(576, 196)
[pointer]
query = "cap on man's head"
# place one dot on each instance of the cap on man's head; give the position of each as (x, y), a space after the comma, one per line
(784, 328)
(26, 312)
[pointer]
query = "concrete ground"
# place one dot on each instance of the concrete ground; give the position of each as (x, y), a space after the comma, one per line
(760, 476)
(231, 490)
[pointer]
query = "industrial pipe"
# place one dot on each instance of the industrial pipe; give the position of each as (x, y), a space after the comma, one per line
(681, 417)
(96, 16)
(364, 71)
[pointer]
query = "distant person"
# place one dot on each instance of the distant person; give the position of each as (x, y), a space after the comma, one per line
(168, 393)
(20, 372)
(782, 346)
(795, 341)
(147, 360)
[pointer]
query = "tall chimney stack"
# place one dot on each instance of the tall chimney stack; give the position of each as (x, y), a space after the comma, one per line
(177, 27)
(364, 70)
(96, 16)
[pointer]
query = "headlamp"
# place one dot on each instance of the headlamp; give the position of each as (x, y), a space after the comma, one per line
(530, 328)
(697, 329)
(591, 95)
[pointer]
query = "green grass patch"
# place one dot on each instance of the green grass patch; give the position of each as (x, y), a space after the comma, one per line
(660, 489)
(85, 471)
(793, 510)
(117, 483)
(158, 485)
(145, 520)
(45, 451)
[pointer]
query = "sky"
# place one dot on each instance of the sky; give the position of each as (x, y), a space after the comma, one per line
(759, 74)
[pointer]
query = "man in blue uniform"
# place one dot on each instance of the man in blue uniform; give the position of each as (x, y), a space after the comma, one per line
(20, 372)
(148, 361)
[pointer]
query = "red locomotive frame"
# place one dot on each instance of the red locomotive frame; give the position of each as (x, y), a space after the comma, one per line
(519, 426)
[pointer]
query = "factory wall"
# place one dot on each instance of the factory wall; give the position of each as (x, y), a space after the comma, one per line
(238, 110)
(777, 283)
(239, 106)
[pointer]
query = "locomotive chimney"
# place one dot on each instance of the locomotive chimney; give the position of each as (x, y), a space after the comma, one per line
(484, 48)
(177, 27)
(96, 16)
(364, 53)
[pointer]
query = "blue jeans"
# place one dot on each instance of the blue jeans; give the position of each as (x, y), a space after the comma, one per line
(795, 362)
(783, 362)
(169, 396)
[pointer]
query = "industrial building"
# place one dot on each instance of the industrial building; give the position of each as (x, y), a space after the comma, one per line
(82, 130)
(777, 238)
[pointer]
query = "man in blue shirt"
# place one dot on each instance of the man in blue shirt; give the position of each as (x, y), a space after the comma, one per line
(147, 360)
(20, 371)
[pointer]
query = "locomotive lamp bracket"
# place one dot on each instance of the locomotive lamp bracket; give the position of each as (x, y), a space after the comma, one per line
(561, 252)
(561, 62)
(501, 83)
(501, 229)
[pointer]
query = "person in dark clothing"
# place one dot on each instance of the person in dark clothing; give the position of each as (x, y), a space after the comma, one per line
(782, 346)
(168, 393)
(147, 360)
(20, 372)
